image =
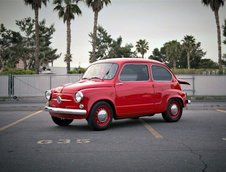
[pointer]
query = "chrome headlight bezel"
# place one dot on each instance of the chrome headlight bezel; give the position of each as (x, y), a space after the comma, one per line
(78, 96)
(48, 94)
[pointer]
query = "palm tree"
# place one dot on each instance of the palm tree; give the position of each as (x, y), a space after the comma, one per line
(36, 5)
(173, 51)
(67, 10)
(193, 50)
(142, 47)
(215, 6)
(224, 31)
(188, 45)
(96, 5)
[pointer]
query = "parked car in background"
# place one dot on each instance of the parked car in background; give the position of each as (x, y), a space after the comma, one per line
(116, 89)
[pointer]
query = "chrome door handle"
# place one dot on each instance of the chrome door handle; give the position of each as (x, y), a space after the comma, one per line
(119, 83)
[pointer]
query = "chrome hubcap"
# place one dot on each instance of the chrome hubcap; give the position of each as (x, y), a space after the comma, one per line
(174, 109)
(102, 115)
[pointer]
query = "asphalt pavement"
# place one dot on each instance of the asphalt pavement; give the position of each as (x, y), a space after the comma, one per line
(30, 141)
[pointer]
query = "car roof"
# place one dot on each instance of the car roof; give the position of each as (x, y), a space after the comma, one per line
(128, 60)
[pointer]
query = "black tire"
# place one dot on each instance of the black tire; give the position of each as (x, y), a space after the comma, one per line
(135, 118)
(173, 112)
(61, 121)
(100, 116)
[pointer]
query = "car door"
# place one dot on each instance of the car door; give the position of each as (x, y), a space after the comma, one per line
(163, 83)
(134, 91)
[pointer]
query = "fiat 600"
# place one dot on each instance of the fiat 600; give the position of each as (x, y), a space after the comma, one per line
(116, 89)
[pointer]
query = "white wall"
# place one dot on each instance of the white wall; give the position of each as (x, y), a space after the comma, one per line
(210, 85)
(3, 86)
(36, 85)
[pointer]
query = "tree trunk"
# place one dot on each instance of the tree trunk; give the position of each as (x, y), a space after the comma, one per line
(25, 63)
(1, 62)
(68, 55)
(174, 63)
(93, 57)
(188, 60)
(218, 40)
(37, 62)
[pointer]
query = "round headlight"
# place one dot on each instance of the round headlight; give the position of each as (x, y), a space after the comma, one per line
(78, 96)
(48, 94)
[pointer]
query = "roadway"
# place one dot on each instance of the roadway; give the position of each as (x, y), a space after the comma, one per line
(30, 141)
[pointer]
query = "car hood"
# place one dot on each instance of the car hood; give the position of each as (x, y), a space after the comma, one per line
(83, 84)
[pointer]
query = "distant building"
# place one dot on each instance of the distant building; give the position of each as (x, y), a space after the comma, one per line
(59, 70)
(53, 70)
(46, 69)
(20, 65)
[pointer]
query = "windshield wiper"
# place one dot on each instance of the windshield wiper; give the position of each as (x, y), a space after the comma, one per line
(107, 72)
(95, 77)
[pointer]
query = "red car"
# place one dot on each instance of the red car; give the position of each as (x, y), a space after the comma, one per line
(118, 88)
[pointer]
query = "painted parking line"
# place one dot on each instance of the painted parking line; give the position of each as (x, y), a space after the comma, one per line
(219, 110)
(155, 133)
(63, 141)
(19, 121)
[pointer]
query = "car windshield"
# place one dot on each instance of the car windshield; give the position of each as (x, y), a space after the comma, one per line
(101, 71)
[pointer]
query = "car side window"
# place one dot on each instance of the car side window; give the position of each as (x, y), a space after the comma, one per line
(160, 73)
(134, 72)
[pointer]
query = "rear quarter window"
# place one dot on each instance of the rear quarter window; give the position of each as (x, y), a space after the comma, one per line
(159, 73)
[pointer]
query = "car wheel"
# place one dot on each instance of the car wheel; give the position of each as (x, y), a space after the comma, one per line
(100, 116)
(173, 112)
(61, 121)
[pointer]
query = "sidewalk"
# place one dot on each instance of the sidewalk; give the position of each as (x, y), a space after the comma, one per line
(23, 104)
(206, 105)
(38, 103)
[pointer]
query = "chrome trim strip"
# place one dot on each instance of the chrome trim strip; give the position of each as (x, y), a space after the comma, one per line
(65, 111)
(64, 100)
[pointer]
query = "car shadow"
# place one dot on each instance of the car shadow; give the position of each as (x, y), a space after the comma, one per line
(74, 127)
(115, 125)
(126, 123)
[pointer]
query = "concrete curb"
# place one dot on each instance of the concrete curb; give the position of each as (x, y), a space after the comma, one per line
(21, 106)
(205, 106)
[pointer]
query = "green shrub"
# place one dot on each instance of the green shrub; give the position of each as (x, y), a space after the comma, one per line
(78, 70)
(14, 71)
(196, 71)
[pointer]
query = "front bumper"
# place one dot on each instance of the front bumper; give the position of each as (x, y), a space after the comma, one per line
(65, 111)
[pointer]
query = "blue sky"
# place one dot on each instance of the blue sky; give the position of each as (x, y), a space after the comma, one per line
(157, 21)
